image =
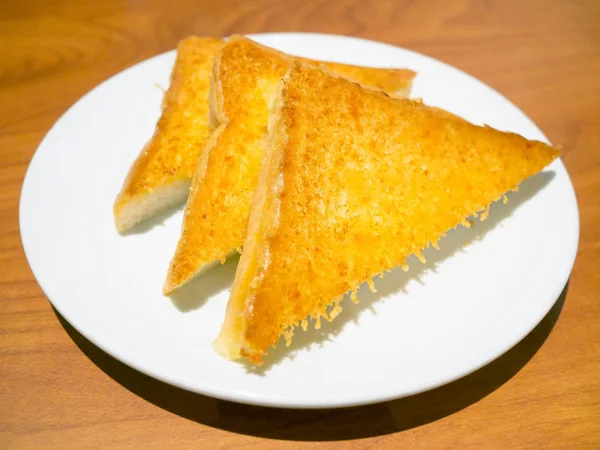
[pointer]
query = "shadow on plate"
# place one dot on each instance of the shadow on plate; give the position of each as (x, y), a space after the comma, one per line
(397, 280)
(194, 294)
(327, 424)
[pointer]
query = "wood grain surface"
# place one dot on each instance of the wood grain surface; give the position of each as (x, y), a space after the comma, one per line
(57, 390)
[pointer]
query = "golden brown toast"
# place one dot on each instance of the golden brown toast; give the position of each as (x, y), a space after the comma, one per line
(161, 175)
(353, 183)
(244, 83)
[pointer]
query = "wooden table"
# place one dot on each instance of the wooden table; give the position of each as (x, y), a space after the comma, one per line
(57, 390)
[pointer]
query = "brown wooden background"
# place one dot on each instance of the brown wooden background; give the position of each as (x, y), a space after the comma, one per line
(59, 391)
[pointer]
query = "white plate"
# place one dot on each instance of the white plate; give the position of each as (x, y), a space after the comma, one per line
(466, 307)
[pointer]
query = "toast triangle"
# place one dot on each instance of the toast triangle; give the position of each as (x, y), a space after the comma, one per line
(161, 175)
(353, 183)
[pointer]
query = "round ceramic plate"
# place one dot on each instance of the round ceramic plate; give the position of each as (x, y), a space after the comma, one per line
(484, 291)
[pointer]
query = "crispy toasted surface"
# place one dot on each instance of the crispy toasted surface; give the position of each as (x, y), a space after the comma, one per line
(172, 153)
(393, 81)
(216, 213)
(353, 194)
(245, 80)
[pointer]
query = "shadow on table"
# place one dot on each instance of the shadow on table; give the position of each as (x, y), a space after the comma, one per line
(332, 424)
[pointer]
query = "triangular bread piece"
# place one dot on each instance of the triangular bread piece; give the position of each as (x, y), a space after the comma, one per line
(245, 80)
(353, 183)
(161, 175)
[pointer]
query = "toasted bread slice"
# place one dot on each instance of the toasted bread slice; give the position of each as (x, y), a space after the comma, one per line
(161, 175)
(245, 80)
(353, 183)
